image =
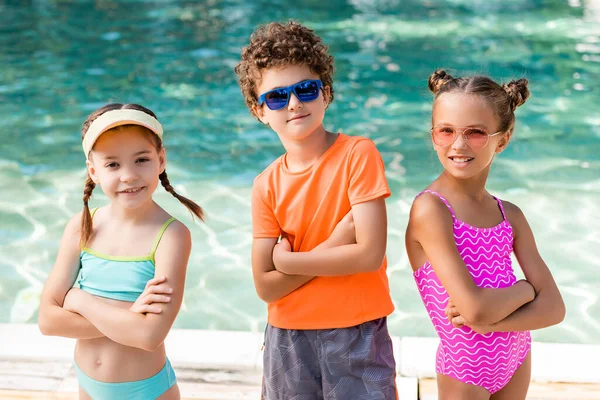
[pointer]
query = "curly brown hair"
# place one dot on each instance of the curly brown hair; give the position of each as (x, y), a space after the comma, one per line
(281, 44)
(504, 99)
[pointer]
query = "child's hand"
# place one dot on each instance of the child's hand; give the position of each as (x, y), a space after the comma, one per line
(153, 293)
(458, 321)
(71, 299)
(284, 246)
(452, 313)
(344, 232)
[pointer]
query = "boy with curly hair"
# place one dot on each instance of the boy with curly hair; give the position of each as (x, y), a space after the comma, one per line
(325, 282)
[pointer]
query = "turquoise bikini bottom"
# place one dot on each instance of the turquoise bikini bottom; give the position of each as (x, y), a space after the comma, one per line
(145, 389)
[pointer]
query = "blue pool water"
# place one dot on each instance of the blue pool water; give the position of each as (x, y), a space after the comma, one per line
(59, 61)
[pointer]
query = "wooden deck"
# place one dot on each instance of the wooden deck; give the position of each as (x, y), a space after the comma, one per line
(224, 365)
(215, 391)
(55, 380)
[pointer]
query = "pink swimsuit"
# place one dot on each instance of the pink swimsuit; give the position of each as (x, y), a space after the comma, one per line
(488, 360)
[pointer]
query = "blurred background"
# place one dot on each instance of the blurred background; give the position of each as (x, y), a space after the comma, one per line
(60, 60)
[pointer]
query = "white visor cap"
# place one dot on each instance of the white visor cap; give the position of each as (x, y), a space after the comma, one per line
(114, 118)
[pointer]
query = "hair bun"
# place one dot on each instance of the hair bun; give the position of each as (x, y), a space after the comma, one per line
(517, 91)
(438, 79)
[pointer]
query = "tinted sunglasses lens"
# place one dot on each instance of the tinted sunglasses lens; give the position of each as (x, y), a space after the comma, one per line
(276, 99)
(443, 136)
(307, 91)
(476, 138)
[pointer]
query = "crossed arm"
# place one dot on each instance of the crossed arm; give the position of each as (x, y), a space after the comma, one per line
(547, 308)
(432, 227)
(357, 244)
(53, 319)
(71, 312)
(365, 254)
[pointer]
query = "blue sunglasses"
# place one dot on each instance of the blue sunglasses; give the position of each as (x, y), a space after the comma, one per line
(305, 91)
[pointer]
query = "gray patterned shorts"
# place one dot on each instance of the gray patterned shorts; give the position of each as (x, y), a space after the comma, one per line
(355, 363)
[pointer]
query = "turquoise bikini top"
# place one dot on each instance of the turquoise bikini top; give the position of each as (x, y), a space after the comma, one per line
(118, 278)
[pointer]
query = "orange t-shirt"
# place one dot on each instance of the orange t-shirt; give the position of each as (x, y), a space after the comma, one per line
(307, 205)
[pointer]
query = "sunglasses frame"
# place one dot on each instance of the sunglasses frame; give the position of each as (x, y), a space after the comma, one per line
(462, 133)
(262, 99)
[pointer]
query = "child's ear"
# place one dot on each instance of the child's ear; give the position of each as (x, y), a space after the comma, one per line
(503, 143)
(92, 171)
(162, 160)
(259, 113)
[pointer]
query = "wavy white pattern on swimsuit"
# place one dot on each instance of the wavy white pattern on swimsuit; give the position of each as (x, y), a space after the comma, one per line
(488, 360)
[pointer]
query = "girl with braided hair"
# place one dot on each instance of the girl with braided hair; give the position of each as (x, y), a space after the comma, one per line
(131, 257)
(459, 242)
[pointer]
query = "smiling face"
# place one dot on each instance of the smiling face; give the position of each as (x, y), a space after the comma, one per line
(460, 111)
(126, 164)
(298, 120)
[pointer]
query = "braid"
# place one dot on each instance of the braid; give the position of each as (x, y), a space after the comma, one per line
(86, 218)
(192, 206)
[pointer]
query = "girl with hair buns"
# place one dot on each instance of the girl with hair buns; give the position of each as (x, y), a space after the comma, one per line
(131, 257)
(459, 242)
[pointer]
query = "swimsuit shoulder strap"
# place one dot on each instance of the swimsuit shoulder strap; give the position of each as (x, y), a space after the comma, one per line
(443, 199)
(160, 235)
(501, 207)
